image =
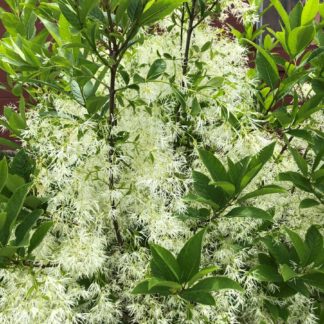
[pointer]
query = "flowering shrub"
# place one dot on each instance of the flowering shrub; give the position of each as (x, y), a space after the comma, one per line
(169, 194)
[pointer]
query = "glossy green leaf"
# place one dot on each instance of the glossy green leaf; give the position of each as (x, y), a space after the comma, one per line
(301, 248)
(9, 144)
(14, 181)
(202, 273)
(3, 217)
(276, 249)
(156, 69)
(134, 9)
(14, 206)
(314, 241)
(215, 284)
(295, 15)
(195, 107)
(266, 190)
(8, 251)
(143, 288)
(228, 187)
(190, 256)
(310, 11)
(300, 38)
(205, 190)
(164, 264)
(25, 226)
(156, 10)
(199, 297)
(308, 203)
(286, 272)
(264, 272)
(196, 198)
(86, 7)
(309, 107)
(300, 161)
(39, 235)
(266, 68)
(250, 212)
(70, 15)
(213, 165)
(3, 173)
(315, 279)
(297, 179)
(52, 28)
(282, 13)
(157, 282)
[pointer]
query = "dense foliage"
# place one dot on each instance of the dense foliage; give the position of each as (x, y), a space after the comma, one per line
(158, 178)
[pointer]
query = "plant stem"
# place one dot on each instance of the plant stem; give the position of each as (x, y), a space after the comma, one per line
(112, 121)
(188, 39)
(182, 25)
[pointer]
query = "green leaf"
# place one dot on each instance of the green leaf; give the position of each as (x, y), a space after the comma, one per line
(308, 108)
(164, 264)
(314, 241)
(3, 173)
(295, 15)
(267, 70)
(3, 217)
(195, 107)
(300, 247)
(39, 235)
(215, 284)
(266, 190)
(22, 165)
(156, 69)
(276, 249)
(86, 7)
(70, 15)
(134, 9)
(255, 164)
(206, 191)
(8, 251)
(297, 179)
(22, 230)
(286, 272)
(213, 165)
(308, 203)
(251, 212)
(9, 144)
(14, 206)
(265, 272)
(321, 9)
(157, 282)
(14, 181)
(52, 28)
(263, 156)
(282, 13)
(156, 10)
(77, 92)
(196, 213)
(315, 279)
(195, 198)
(300, 161)
(310, 11)
(143, 288)
(300, 38)
(190, 256)
(198, 297)
(228, 187)
(202, 273)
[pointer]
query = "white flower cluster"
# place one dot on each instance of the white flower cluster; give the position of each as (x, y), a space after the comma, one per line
(90, 278)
